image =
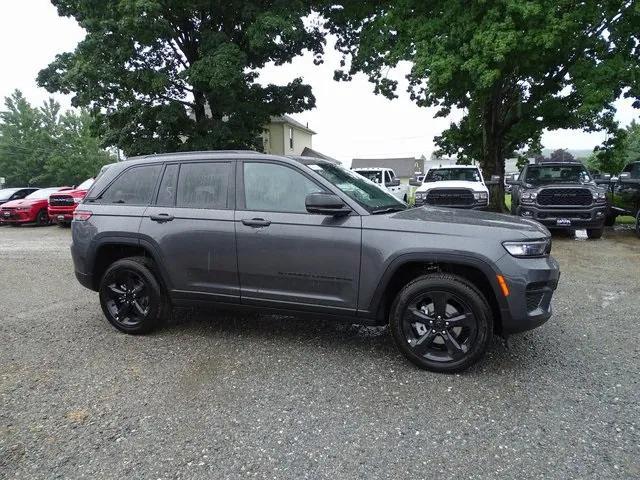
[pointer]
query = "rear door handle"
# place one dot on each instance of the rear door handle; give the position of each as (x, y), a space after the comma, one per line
(256, 222)
(161, 217)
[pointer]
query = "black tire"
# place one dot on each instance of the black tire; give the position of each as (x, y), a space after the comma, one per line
(43, 218)
(131, 297)
(609, 220)
(595, 233)
(449, 354)
(64, 224)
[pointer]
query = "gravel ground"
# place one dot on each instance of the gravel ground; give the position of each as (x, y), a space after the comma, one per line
(218, 395)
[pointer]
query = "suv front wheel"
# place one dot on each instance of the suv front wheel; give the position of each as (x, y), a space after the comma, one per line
(441, 322)
(131, 297)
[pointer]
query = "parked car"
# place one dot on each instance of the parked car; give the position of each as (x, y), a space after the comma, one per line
(386, 178)
(247, 230)
(10, 194)
(510, 177)
(458, 186)
(31, 209)
(560, 195)
(62, 204)
(624, 194)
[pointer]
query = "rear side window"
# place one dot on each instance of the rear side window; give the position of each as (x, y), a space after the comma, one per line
(167, 191)
(134, 187)
(203, 185)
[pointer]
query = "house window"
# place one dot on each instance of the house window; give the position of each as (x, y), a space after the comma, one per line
(290, 137)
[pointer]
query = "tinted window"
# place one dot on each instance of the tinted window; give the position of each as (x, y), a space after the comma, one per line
(134, 187)
(167, 191)
(539, 174)
(203, 185)
(447, 174)
(276, 188)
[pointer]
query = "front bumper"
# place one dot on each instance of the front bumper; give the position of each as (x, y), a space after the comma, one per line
(531, 283)
(17, 217)
(557, 217)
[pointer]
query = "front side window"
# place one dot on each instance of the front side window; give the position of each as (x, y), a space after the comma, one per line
(133, 187)
(359, 188)
(203, 185)
(447, 174)
(387, 178)
(271, 187)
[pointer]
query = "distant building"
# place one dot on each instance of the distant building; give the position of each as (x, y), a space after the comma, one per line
(404, 167)
(286, 136)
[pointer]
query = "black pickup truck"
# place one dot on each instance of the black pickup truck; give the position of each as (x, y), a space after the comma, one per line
(624, 194)
(560, 196)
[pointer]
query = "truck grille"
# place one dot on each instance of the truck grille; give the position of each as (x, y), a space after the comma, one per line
(60, 200)
(565, 196)
(445, 197)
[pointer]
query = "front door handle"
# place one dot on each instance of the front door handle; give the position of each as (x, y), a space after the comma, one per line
(256, 222)
(161, 217)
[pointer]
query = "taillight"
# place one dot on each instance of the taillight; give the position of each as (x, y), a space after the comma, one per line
(82, 215)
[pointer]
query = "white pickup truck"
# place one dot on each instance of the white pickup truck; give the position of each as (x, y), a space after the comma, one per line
(457, 186)
(386, 179)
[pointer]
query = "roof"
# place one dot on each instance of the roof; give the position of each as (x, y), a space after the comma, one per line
(554, 164)
(454, 166)
(402, 167)
(290, 121)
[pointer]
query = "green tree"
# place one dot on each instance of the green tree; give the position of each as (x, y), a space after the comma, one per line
(168, 75)
(41, 146)
(620, 148)
(513, 67)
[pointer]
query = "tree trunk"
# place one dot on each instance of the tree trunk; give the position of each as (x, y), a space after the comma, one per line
(493, 161)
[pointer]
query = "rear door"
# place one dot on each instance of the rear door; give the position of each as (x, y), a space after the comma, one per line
(191, 227)
(286, 256)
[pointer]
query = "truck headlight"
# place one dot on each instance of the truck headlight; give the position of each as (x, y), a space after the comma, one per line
(420, 195)
(528, 197)
(599, 196)
(481, 195)
(528, 248)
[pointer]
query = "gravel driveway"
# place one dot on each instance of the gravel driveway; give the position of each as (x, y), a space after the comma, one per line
(218, 395)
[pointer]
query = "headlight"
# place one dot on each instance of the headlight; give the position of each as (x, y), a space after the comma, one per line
(23, 209)
(528, 196)
(481, 195)
(599, 196)
(420, 195)
(529, 248)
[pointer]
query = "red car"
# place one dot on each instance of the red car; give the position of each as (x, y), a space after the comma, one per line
(62, 205)
(31, 209)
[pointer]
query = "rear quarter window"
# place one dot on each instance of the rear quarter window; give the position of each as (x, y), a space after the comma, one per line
(135, 186)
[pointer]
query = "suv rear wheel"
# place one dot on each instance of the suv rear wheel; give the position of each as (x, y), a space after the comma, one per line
(441, 322)
(131, 296)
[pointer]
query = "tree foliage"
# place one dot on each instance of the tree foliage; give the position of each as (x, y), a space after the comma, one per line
(561, 155)
(44, 147)
(168, 75)
(620, 148)
(513, 67)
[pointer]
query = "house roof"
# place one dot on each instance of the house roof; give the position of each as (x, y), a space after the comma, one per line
(403, 167)
(290, 121)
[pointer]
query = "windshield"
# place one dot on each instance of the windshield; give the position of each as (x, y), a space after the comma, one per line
(538, 174)
(374, 176)
(445, 174)
(86, 185)
(42, 193)
(6, 193)
(359, 188)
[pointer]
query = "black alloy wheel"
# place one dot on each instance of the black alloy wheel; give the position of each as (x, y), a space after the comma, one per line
(441, 322)
(43, 218)
(131, 297)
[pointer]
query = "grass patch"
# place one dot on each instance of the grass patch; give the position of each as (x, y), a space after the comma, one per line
(626, 220)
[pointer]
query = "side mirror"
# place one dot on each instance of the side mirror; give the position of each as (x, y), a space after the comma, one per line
(394, 183)
(326, 204)
(624, 176)
(603, 180)
(509, 181)
(415, 183)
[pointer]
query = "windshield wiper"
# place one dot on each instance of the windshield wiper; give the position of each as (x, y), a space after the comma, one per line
(387, 210)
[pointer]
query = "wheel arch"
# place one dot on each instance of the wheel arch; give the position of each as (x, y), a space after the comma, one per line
(406, 267)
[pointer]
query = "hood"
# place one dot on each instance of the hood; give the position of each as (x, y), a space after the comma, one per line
(459, 222)
(476, 186)
(588, 186)
(24, 203)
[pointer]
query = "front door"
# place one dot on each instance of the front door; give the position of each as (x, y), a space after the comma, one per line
(191, 227)
(286, 256)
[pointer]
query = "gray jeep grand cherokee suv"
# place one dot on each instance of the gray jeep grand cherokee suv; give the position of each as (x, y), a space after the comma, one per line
(306, 236)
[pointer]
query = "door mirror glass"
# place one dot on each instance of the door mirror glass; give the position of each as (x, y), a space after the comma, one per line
(326, 204)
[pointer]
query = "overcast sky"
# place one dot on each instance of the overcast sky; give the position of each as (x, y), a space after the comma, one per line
(350, 120)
